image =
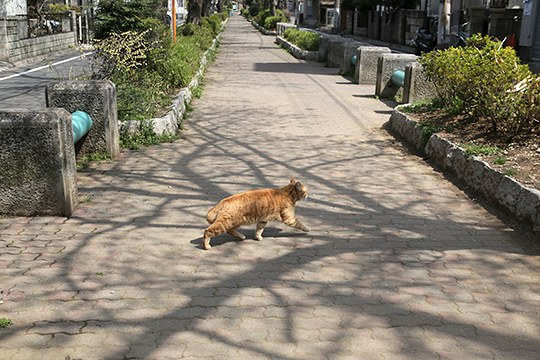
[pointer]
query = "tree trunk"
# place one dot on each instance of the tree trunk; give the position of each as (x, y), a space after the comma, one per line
(195, 11)
(269, 5)
(206, 7)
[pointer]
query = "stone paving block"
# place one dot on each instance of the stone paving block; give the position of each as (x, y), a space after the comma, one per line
(399, 264)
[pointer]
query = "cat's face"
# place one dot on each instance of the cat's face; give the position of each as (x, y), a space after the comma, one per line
(301, 189)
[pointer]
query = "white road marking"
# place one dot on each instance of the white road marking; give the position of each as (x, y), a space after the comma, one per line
(44, 66)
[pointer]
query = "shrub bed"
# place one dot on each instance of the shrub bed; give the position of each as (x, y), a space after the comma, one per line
(148, 68)
(485, 81)
(305, 40)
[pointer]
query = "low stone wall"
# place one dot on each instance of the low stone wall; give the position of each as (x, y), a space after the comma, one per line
(507, 194)
(16, 43)
(39, 46)
(296, 51)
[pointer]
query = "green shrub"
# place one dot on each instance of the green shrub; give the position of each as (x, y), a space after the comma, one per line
(141, 95)
(213, 22)
(305, 40)
(480, 80)
(5, 322)
(260, 18)
(270, 23)
(182, 62)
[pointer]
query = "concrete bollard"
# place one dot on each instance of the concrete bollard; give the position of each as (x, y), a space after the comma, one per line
(324, 46)
(37, 158)
(386, 65)
(349, 50)
(98, 99)
(417, 86)
(366, 63)
(335, 51)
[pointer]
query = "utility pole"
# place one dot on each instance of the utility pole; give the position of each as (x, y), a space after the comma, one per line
(173, 19)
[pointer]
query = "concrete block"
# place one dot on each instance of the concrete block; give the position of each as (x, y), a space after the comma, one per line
(98, 99)
(386, 65)
(417, 86)
(324, 46)
(366, 63)
(37, 158)
(335, 51)
(349, 50)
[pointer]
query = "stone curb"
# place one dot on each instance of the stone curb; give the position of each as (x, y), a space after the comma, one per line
(296, 51)
(168, 124)
(262, 30)
(520, 202)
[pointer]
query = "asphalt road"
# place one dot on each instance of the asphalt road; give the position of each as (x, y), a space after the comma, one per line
(23, 86)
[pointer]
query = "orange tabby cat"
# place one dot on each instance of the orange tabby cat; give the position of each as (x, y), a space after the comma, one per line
(255, 206)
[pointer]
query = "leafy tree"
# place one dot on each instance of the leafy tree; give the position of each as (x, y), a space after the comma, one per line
(118, 16)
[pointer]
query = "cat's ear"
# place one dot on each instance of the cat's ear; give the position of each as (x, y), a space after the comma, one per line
(293, 181)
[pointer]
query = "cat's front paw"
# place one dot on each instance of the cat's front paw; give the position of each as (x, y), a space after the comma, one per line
(306, 228)
(258, 237)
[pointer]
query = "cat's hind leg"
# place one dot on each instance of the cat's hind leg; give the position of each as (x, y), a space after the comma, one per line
(233, 232)
(259, 230)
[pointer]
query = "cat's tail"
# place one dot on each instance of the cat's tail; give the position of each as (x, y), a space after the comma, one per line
(212, 214)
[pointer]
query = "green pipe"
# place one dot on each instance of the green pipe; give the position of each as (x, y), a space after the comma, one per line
(398, 77)
(81, 123)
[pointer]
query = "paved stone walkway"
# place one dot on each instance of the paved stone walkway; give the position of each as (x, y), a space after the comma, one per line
(399, 264)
